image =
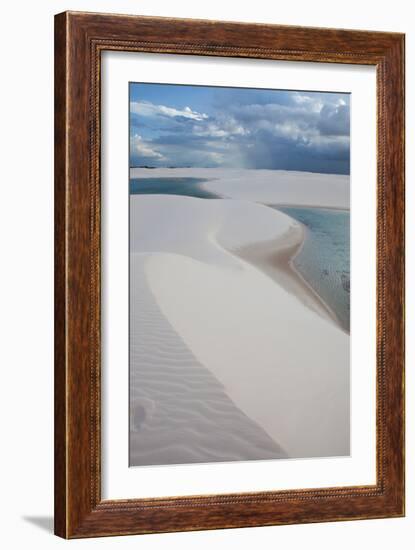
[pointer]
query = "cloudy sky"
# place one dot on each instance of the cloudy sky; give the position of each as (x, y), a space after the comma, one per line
(200, 126)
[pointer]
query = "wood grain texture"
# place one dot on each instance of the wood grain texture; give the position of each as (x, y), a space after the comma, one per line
(79, 40)
(60, 277)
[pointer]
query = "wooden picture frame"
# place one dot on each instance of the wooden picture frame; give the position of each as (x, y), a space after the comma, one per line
(79, 40)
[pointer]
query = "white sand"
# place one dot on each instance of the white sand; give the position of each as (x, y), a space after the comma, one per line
(282, 364)
(180, 413)
(265, 186)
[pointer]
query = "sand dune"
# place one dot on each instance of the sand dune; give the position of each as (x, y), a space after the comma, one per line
(264, 186)
(257, 338)
(179, 412)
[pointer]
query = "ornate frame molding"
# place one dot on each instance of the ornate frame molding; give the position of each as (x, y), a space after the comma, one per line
(79, 40)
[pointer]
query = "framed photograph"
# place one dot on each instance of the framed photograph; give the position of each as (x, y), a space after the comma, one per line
(229, 275)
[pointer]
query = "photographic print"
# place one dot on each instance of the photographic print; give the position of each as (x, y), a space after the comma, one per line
(218, 364)
(239, 221)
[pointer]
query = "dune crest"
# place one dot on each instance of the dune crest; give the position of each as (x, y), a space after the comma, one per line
(257, 338)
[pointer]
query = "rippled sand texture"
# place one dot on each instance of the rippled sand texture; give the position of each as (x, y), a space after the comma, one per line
(179, 412)
(227, 361)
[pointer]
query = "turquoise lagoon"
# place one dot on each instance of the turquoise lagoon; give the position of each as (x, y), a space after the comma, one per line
(324, 259)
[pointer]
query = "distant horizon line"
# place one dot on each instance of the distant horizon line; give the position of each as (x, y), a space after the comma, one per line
(148, 167)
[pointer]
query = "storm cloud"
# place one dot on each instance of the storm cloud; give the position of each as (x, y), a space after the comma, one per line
(240, 128)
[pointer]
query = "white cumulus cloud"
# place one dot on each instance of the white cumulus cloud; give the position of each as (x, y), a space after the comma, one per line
(220, 129)
(143, 148)
(145, 108)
